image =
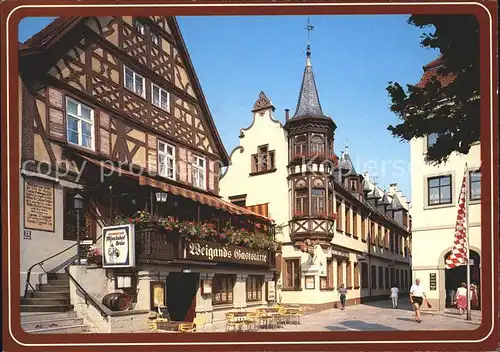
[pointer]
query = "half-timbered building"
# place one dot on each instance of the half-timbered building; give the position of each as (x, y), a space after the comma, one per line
(336, 225)
(112, 111)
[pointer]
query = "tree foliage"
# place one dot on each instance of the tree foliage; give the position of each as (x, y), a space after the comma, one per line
(450, 110)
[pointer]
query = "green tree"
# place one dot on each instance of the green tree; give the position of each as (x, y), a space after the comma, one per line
(450, 109)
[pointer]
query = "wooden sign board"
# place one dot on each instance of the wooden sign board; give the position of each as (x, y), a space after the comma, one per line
(432, 281)
(216, 252)
(271, 291)
(39, 205)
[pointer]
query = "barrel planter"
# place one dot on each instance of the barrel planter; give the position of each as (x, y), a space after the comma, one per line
(116, 301)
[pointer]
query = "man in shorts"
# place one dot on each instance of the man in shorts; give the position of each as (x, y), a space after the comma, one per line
(417, 296)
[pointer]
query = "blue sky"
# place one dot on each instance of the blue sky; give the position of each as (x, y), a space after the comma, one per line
(353, 58)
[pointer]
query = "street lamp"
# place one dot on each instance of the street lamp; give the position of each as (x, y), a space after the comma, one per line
(161, 197)
(78, 205)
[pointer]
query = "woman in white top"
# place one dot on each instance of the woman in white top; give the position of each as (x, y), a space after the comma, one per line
(394, 296)
(461, 298)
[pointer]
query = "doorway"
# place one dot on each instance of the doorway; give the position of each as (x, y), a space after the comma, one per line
(181, 295)
(454, 277)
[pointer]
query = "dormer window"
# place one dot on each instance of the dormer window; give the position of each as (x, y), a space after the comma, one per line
(353, 185)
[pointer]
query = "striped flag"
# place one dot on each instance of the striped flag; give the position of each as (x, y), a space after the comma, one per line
(458, 254)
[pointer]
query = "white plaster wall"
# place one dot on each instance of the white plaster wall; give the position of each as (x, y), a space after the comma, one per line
(269, 188)
(434, 227)
(43, 244)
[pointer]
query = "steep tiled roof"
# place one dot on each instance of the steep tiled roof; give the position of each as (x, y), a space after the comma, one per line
(54, 28)
(430, 71)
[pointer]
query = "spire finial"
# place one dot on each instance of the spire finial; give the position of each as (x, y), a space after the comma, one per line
(309, 29)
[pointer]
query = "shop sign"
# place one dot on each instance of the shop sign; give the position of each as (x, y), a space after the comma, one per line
(432, 281)
(340, 254)
(118, 246)
(217, 252)
(271, 291)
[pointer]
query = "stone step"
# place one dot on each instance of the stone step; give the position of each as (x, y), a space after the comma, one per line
(50, 287)
(72, 329)
(27, 317)
(45, 301)
(58, 282)
(52, 323)
(57, 276)
(51, 294)
(46, 308)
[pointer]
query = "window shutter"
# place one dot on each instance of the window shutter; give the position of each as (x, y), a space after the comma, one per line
(211, 175)
(152, 154)
(183, 165)
(104, 134)
(56, 118)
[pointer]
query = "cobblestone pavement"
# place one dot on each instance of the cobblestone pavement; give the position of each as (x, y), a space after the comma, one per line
(380, 316)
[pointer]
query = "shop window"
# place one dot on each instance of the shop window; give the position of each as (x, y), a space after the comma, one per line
(374, 276)
(364, 275)
(327, 282)
(386, 276)
(356, 275)
(348, 275)
(222, 289)
(292, 274)
(340, 273)
(254, 288)
(381, 277)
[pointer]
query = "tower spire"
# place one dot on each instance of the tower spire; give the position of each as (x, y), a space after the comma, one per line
(308, 104)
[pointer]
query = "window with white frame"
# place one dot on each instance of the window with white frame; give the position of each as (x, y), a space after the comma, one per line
(160, 97)
(80, 124)
(135, 82)
(166, 160)
(199, 166)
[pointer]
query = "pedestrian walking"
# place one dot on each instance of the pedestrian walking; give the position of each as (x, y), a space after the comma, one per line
(417, 296)
(394, 296)
(461, 298)
(342, 295)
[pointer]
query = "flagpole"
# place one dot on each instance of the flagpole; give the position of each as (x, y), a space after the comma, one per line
(469, 317)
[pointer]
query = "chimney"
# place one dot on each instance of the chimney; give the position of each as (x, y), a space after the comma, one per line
(287, 114)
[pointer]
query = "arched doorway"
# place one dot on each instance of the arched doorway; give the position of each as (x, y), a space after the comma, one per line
(454, 277)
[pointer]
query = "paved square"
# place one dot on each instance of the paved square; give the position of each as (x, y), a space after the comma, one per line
(380, 316)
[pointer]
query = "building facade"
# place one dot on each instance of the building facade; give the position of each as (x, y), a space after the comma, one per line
(435, 192)
(112, 111)
(335, 225)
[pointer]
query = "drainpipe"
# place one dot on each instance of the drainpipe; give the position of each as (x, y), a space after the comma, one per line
(369, 255)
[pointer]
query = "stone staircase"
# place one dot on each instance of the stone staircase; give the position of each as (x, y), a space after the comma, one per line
(48, 310)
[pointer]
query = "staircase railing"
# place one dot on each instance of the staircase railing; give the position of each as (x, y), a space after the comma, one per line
(40, 264)
(88, 298)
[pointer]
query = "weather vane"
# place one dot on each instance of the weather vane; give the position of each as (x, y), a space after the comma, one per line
(309, 29)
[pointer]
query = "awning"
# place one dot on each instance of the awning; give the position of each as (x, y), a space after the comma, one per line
(206, 199)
